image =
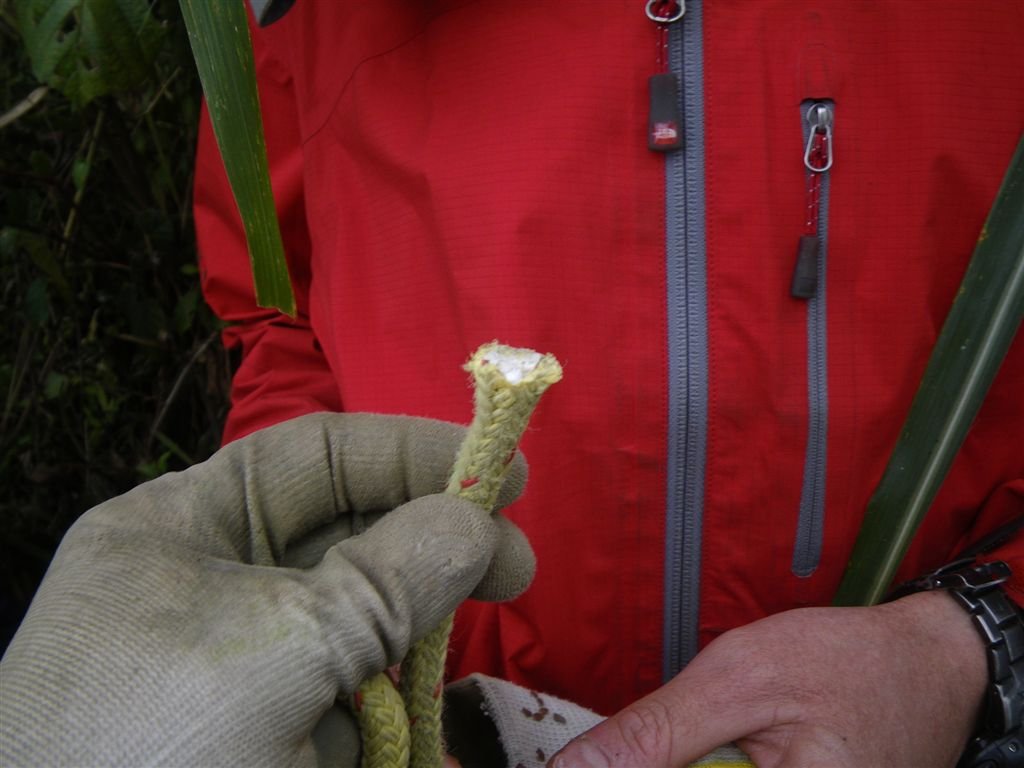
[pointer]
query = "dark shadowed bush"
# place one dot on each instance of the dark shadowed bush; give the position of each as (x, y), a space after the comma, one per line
(111, 371)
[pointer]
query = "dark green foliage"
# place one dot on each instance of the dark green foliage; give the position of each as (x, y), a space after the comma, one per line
(87, 48)
(112, 370)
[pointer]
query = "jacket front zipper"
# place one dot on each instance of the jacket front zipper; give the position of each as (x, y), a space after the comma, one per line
(686, 279)
(809, 282)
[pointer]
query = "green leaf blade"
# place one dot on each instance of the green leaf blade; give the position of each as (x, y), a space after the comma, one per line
(978, 331)
(219, 34)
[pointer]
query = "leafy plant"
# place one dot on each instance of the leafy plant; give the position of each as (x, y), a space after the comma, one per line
(88, 48)
(112, 371)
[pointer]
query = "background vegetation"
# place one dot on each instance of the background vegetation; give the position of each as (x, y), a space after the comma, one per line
(111, 369)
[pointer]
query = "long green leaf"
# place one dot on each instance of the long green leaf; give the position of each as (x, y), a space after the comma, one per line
(219, 34)
(974, 340)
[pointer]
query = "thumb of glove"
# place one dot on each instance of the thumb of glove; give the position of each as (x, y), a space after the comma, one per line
(382, 591)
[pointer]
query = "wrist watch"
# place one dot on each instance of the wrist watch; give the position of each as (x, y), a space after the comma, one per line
(999, 741)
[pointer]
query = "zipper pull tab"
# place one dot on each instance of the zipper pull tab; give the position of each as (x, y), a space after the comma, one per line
(817, 160)
(665, 116)
(805, 274)
(818, 154)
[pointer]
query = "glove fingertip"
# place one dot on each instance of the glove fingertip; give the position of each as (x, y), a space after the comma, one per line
(511, 570)
(386, 588)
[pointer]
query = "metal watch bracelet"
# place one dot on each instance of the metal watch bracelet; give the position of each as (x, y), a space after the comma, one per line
(999, 742)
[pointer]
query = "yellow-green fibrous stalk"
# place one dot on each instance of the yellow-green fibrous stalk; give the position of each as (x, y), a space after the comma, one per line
(508, 383)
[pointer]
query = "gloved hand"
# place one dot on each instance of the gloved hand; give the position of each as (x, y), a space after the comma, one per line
(165, 632)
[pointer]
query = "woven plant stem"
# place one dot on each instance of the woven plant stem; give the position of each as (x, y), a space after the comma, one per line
(383, 723)
(421, 686)
(508, 383)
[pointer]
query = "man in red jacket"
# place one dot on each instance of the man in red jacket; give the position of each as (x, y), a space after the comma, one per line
(448, 173)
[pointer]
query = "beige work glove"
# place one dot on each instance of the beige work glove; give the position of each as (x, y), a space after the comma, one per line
(167, 631)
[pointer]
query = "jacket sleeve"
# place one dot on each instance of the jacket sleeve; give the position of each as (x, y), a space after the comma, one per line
(283, 372)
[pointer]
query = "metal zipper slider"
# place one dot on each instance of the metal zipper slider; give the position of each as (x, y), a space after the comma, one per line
(818, 154)
(817, 160)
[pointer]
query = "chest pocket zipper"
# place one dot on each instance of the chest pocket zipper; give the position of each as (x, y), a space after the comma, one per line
(809, 283)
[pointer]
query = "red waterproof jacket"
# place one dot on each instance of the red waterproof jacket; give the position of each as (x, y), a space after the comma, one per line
(451, 172)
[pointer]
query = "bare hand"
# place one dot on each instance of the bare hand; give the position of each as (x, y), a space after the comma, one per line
(896, 684)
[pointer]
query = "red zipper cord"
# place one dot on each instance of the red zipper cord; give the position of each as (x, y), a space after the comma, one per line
(663, 9)
(817, 158)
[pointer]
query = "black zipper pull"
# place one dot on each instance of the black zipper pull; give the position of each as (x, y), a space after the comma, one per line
(805, 274)
(665, 116)
(817, 160)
